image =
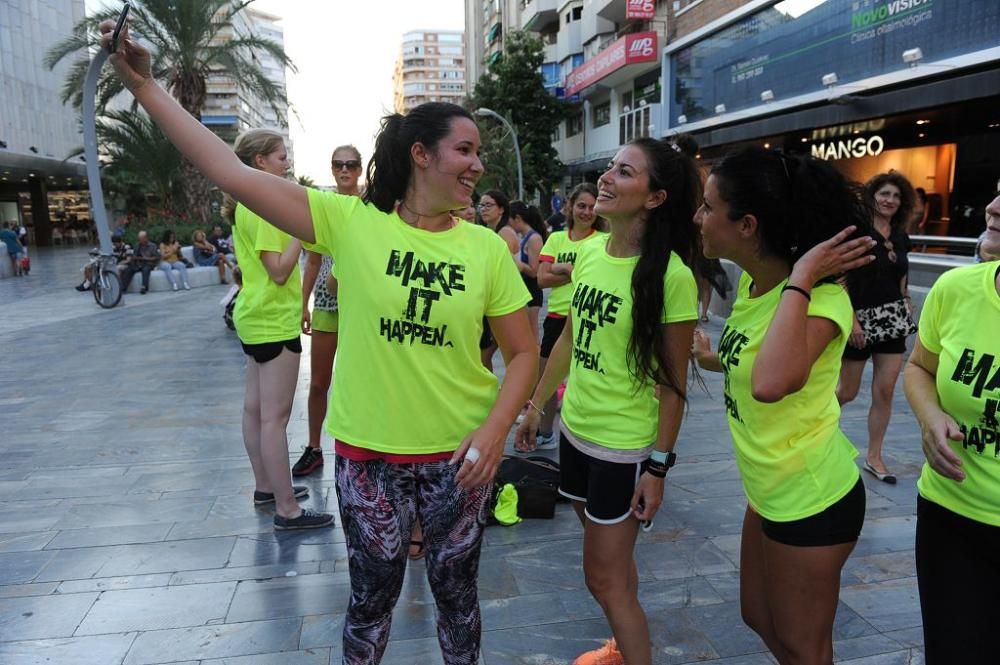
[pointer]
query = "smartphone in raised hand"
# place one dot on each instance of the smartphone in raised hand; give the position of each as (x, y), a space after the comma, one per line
(118, 27)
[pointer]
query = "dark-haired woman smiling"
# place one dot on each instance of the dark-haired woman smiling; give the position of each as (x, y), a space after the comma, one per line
(774, 215)
(419, 424)
(629, 329)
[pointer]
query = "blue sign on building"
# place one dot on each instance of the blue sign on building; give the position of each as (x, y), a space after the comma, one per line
(789, 47)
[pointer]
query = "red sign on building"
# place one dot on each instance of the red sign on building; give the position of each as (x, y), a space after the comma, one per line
(640, 10)
(629, 50)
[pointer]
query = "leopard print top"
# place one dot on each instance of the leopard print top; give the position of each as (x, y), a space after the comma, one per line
(322, 298)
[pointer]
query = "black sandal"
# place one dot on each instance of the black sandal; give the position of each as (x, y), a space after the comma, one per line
(419, 554)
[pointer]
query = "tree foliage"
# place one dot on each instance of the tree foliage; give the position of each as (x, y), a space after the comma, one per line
(181, 36)
(513, 87)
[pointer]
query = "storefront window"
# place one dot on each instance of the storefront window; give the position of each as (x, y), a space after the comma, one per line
(602, 114)
(788, 48)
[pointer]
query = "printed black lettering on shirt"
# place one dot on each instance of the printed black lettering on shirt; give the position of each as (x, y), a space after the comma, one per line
(566, 257)
(982, 375)
(592, 309)
(731, 345)
(427, 282)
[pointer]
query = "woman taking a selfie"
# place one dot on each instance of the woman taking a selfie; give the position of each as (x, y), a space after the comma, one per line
(419, 424)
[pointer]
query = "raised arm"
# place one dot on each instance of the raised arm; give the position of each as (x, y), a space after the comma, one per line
(795, 340)
(283, 203)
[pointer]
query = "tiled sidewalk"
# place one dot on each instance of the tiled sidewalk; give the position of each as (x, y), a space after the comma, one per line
(127, 533)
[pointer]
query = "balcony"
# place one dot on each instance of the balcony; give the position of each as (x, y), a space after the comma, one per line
(611, 10)
(537, 15)
(642, 121)
(568, 41)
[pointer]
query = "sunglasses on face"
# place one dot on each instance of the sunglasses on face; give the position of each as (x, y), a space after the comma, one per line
(349, 164)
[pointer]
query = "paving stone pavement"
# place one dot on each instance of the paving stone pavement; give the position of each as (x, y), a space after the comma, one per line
(127, 533)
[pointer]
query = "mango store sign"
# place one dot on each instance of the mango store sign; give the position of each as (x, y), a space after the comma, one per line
(852, 148)
(629, 50)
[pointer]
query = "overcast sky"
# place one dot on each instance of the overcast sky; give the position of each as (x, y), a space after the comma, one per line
(345, 51)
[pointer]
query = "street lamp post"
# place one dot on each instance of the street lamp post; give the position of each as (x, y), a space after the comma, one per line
(482, 112)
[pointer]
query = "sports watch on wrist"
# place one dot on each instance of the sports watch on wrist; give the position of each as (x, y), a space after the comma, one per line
(666, 459)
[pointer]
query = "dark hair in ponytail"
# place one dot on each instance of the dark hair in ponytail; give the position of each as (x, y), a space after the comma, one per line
(799, 201)
(669, 228)
(503, 202)
(390, 167)
(531, 216)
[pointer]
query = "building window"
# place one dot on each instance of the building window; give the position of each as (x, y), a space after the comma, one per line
(626, 102)
(602, 114)
(556, 134)
(574, 125)
(577, 13)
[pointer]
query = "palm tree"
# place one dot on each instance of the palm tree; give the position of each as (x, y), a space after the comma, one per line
(141, 158)
(186, 46)
(306, 181)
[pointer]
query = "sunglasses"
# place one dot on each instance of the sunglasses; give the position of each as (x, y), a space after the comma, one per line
(349, 164)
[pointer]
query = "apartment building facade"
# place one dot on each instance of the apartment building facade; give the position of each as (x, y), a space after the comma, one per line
(487, 23)
(37, 131)
(230, 109)
(430, 67)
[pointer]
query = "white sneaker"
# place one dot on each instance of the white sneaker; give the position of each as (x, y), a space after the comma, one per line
(174, 286)
(187, 287)
(547, 442)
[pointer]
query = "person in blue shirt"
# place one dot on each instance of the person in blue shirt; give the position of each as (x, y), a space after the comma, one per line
(14, 249)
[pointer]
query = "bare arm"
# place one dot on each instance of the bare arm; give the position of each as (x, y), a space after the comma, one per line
(520, 354)
(676, 340)
(309, 275)
(281, 202)
(533, 249)
(556, 369)
(936, 426)
(551, 275)
(280, 266)
(795, 340)
(701, 351)
(510, 238)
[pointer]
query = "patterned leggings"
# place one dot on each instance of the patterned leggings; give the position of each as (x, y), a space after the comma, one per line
(378, 502)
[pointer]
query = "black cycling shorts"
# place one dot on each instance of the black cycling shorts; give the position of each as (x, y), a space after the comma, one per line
(271, 350)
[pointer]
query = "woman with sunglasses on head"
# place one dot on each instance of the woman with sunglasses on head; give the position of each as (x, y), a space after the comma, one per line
(953, 384)
(555, 271)
(786, 221)
(419, 424)
(628, 332)
(322, 323)
(881, 300)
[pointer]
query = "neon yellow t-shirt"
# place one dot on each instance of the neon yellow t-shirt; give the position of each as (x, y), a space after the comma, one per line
(409, 379)
(265, 311)
(968, 387)
(793, 458)
(601, 404)
(560, 249)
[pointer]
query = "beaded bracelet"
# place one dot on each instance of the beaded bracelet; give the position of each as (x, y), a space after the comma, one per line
(792, 287)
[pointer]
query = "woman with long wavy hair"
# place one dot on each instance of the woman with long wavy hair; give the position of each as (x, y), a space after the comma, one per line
(628, 335)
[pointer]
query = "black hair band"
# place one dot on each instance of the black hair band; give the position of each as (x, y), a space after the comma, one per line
(792, 287)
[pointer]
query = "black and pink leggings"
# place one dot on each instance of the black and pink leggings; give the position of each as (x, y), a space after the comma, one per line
(378, 503)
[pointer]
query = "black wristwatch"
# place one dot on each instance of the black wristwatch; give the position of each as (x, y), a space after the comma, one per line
(666, 459)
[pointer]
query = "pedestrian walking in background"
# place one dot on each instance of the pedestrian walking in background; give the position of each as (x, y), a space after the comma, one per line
(882, 312)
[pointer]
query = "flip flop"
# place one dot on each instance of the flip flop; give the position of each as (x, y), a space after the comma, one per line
(884, 477)
(419, 554)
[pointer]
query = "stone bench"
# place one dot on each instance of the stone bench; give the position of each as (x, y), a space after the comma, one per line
(197, 277)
